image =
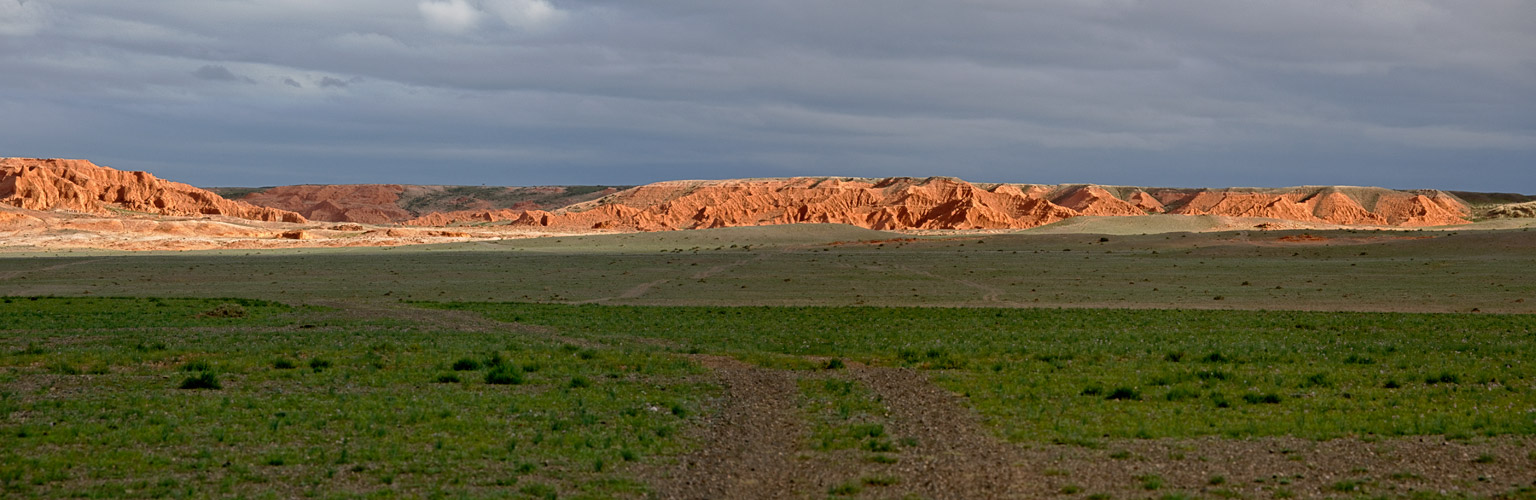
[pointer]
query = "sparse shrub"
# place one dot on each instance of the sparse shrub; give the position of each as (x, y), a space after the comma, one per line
(1316, 380)
(225, 310)
(846, 489)
(204, 380)
(538, 490)
(1443, 378)
(1391, 384)
(833, 364)
(580, 382)
(939, 360)
(867, 430)
(319, 365)
(448, 378)
(196, 366)
(1215, 357)
(1255, 398)
(1120, 455)
(63, 368)
(504, 375)
(1356, 359)
(1124, 393)
(1485, 459)
(1071, 489)
(283, 364)
(1174, 357)
(466, 364)
(1093, 390)
(1182, 393)
(1150, 482)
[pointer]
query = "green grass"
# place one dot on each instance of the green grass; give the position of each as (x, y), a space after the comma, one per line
(1367, 270)
(1082, 375)
(373, 416)
(844, 415)
(62, 313)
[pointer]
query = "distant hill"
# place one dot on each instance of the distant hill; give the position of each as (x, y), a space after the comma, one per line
(935, 203)
(396, 203)
(898, 203)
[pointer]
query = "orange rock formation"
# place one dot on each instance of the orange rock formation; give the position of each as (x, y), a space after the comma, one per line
(365, 203)
(1344, 206)
(900, 203)
(81, 186)
(945, 203)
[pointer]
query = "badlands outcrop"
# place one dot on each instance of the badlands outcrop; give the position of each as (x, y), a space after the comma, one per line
(946, 203)
(396, 203)
(365, 203)
(81, 186)
(73, 203)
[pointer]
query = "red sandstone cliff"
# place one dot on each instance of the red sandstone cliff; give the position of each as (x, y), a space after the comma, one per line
(365, 203)
(900, 203)
(395, 203)
(947, 203)
(81, 186)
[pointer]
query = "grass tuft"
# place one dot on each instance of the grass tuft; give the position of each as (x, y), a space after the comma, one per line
(204, 380)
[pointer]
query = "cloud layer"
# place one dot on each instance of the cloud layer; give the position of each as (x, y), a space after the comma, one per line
(1403, 93)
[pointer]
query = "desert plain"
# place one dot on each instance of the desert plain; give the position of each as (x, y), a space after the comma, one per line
(761, 338)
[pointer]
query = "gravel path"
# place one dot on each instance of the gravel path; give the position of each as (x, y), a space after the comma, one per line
(750, 448)
(755, 444)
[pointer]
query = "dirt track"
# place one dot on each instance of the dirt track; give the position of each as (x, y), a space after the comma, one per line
(754, 443)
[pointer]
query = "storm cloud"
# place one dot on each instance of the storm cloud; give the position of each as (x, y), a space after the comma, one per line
(1401, 93)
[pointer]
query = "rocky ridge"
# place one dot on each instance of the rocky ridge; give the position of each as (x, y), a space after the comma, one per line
(82, 186)
(903, 203)
(396, 203)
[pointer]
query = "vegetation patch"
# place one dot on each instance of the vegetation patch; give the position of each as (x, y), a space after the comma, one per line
(1081, 375)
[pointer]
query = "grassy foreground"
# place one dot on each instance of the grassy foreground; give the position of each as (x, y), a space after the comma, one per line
(1080, 375)
(112, 398)
(154, 397)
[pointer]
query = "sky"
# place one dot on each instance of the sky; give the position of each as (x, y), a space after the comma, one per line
(1174, 93)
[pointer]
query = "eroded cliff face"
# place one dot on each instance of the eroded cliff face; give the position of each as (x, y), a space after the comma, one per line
(947, 203)
(1332, 205)
(81, 186)
(900, 203)
(364, 203)
(395, 203)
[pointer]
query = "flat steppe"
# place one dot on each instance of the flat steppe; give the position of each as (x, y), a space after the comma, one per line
(805, 361)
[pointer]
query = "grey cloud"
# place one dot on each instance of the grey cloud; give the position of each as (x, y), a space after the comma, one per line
(219, 73)
(1180, 92)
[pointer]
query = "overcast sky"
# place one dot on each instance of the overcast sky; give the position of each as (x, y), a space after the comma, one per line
(1397, 93)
